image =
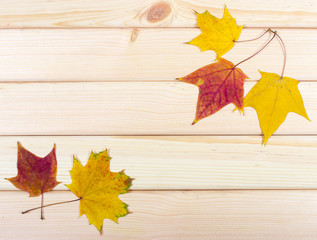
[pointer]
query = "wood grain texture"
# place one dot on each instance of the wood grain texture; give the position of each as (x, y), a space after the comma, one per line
(152, 13)
(224, 215)
(184, 162)
(141, 54)
(89, 67)
(120, 108)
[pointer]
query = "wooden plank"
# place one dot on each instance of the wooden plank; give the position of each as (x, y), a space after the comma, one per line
(183, 162)
(224, 215)
(120, 108)
(152, 13)
(140, 55)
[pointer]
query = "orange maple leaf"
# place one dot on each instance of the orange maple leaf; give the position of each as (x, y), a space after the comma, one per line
(219, 84)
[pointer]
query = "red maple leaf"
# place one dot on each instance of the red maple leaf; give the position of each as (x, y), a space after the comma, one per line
(35, 175)
(219, 83)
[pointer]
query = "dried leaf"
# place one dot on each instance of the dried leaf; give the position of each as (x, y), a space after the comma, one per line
(219, 83)
(217, 34)
(273, 98)
(35, 175)
(98, 189)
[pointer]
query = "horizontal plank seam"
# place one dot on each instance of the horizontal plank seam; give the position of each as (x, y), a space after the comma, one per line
(138, 27)
(118, 81)
(156, 135)
(195, 190)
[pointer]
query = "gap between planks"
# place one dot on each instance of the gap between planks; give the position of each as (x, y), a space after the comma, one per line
(116, 81)
(180, 190)
(146, 28)
(162, 135)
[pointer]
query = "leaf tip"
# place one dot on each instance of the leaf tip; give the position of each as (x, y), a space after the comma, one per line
(100, 230)
(189, 42)
(265, 139)
(305, 115)
(75, 159)
(19, 145)
(129, 182)
(129, 212)
(195, 121)
(241, 110)
(262, 73)
(226, 12)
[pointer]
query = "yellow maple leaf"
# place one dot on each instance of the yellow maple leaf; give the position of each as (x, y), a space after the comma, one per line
(98, 189)
(217, 34)
(273, 98)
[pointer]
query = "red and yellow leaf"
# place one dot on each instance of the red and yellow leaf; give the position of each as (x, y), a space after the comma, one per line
(36, 175)
(219, 84)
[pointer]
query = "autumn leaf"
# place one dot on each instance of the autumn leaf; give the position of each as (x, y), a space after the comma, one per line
(219, 84)
(35, 175)
(273, 98)
(98, 189)
(217, 34)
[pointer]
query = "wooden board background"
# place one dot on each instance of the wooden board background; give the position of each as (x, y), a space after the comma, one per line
(93, 74)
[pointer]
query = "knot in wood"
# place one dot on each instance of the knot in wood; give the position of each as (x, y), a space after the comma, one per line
(158, 12)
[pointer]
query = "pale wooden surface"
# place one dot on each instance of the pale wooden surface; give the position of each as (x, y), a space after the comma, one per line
(123, 108)
(93, 74)
(224, 215)
(141, 54)
(142, 13)
(183, 162)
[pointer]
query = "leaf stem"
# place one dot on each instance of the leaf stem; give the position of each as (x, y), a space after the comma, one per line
(257, 52)
(253, 39)
(42, 201)
(284, 52)
(52, 204)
